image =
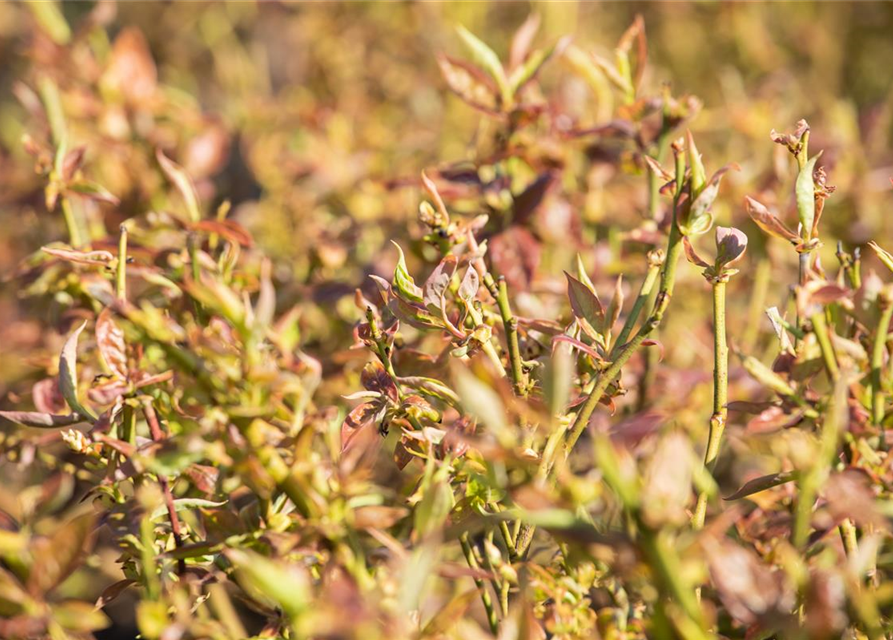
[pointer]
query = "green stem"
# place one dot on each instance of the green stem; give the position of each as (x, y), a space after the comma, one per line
(803, 275)
(720, 393)
(639, 304)
(381, 347)
(149, 569)
(498, 586)
(121, 275)
(653, 178)
(848, 537)
(492, 620)
(71, 223)
(510, 323)
(877, 363)
(820, 328)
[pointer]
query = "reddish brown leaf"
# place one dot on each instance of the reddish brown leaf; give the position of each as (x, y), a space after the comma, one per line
(41, 420)
(111, 592)
(469, 83)
(131, 70)
(375, 378)
(762, 483)
(110, 341)
(230, 230)
(378, 517)
(749, 590)
(46, 396)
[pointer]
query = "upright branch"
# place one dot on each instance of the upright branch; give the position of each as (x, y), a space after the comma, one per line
(499, 291)
(730, 247)
(693, 196)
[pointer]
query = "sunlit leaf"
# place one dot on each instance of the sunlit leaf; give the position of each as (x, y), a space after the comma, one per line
(487, 59)
(176, 174)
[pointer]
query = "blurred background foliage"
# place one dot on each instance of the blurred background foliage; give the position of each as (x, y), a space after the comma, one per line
(314, 121)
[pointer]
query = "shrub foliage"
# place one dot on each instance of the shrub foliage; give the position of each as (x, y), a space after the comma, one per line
(470, 432)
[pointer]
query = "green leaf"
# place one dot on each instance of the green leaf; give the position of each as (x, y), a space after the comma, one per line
(286, 585)
(487, 58)
(885, 256)
(431, 388)
(93, 191)
(582, 276)
(805, 192)
(403, 283)
(698, 175)
(767, 376)
(68, 373)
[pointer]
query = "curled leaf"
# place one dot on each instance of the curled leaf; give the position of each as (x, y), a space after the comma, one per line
(434, 194)
(805, 192)
(696, 218)
(68, 375)
(731, 244)
(403, 283)
(769, 222)
(103, 258)
(658, 170)
(692, 255)
(791, 140)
